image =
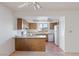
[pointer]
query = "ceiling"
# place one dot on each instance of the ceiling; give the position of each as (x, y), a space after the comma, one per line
(45, 6)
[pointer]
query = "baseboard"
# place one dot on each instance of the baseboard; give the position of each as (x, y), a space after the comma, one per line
(12, 53)
(71, 53)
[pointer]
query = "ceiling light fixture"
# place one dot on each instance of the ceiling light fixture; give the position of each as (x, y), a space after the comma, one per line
(35, 5)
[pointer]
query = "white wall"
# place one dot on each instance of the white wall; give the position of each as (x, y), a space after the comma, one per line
(62, 33)
(6, 31)
(71, 22)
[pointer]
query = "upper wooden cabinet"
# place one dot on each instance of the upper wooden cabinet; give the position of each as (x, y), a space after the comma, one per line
(52, 25)
(32, 25)
(21, 24)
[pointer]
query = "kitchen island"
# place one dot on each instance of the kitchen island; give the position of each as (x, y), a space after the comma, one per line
(30, 43)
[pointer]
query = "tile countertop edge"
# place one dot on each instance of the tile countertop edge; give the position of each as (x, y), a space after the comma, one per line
(39, 36)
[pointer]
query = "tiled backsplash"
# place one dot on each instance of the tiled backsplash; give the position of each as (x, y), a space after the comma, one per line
(30, 32)
(20, 32)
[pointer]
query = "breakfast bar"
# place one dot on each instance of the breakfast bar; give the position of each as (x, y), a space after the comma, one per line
(30, 43)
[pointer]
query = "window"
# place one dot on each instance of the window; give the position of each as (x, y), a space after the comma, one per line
(43, 26)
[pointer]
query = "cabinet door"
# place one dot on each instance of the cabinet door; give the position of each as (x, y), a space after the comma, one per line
(19, 23)
(19, 44)
(32, 26)
(51, 26)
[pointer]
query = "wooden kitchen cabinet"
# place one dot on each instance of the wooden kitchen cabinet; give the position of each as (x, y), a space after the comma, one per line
(30, 44)
(32, 25)
(21, 24)
(52, 25)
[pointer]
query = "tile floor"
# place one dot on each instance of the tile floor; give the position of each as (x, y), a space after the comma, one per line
(51, 50)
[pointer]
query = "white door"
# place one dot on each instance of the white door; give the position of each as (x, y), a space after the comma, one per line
(72, 43)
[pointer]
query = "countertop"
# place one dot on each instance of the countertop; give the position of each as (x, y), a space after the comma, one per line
(34, 36)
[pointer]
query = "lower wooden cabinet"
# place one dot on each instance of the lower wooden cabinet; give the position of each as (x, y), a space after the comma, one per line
(29, 44)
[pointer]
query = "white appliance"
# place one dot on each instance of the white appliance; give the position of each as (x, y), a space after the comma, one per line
(50, 36)
(56, 35)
